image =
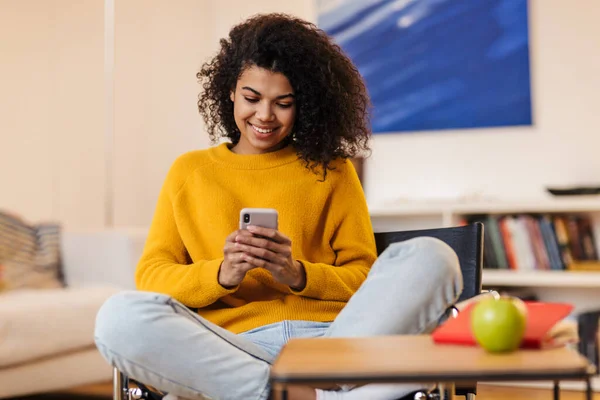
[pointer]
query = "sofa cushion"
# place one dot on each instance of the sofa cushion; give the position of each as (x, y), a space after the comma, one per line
(45, 322)
(59, 373)
(29, 254)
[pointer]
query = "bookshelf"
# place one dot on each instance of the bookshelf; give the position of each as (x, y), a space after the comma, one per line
(578, 287)
(585, 204)
(582, 288)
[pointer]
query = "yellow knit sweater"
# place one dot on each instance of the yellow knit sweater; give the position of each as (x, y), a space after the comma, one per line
(199, 206)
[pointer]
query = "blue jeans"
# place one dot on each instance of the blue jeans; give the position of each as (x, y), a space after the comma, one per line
(157, 340)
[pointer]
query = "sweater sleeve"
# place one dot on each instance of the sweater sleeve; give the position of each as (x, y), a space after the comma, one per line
(353, 242)
(165, 266)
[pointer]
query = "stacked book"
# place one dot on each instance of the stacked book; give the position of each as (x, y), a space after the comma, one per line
(538, 242)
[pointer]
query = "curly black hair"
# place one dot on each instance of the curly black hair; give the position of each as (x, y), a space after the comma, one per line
(332, 104)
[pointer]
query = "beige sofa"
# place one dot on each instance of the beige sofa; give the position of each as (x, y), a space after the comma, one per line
(46, 336)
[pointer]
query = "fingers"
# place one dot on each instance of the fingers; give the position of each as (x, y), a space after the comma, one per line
(275, 266)
(262, 253)
(230, 250)
(268, 244)
(272, 234)
(281, 272)
(245, 267)
(234, 234)
(258, 247)
(233, 254)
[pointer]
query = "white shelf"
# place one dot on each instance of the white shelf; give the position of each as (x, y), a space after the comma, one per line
(558, 205)
(543, 205)
(575, 279)
(409, 209)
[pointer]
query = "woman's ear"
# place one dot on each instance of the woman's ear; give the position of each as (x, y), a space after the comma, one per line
(232, 96)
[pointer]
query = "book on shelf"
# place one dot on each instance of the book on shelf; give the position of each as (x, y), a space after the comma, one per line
(527, 242)
(546, 327)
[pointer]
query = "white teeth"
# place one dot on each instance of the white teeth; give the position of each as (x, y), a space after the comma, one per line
(262, 130)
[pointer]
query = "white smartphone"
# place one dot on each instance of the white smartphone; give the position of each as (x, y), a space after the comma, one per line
(265, 217)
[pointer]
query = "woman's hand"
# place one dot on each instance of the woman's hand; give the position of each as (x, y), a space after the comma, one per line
(234, 267)
(270, 249)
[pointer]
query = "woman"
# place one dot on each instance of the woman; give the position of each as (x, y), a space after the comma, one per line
(216, 304)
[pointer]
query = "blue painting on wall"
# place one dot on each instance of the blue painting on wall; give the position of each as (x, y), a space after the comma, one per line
(437, 64)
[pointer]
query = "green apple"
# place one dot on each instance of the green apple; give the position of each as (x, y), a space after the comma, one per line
(498, 324)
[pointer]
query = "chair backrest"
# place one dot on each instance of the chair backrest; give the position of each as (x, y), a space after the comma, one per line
(467, 242)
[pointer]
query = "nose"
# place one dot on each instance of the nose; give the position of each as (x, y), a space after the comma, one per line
(264, 112)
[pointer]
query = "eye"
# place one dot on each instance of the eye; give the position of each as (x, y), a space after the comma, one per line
(285, 105)
(251, 100)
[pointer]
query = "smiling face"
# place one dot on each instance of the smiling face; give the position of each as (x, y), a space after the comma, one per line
(264, 110)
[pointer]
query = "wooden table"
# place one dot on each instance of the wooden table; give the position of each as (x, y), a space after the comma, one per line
(387, 359)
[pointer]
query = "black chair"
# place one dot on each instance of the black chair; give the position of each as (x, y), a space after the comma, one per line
(466, 241)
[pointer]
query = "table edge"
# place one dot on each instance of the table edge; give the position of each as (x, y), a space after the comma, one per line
(583, 374)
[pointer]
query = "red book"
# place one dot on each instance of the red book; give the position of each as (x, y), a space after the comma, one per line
(509, 247)
(542, 330)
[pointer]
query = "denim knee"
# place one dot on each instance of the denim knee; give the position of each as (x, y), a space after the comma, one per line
(124, 319)
(431, 257)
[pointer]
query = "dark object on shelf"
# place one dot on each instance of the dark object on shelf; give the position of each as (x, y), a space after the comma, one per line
(588, 324)
(574, 191)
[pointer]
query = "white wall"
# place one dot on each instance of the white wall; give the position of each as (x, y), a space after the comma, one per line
(158, 49)
(563, 146)
(53, 106)
(52, 111)
(560, 148)
(225, 14)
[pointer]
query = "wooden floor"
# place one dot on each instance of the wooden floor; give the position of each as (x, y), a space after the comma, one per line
(484, 392)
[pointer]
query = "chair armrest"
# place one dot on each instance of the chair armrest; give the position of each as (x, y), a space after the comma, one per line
(106, 257)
